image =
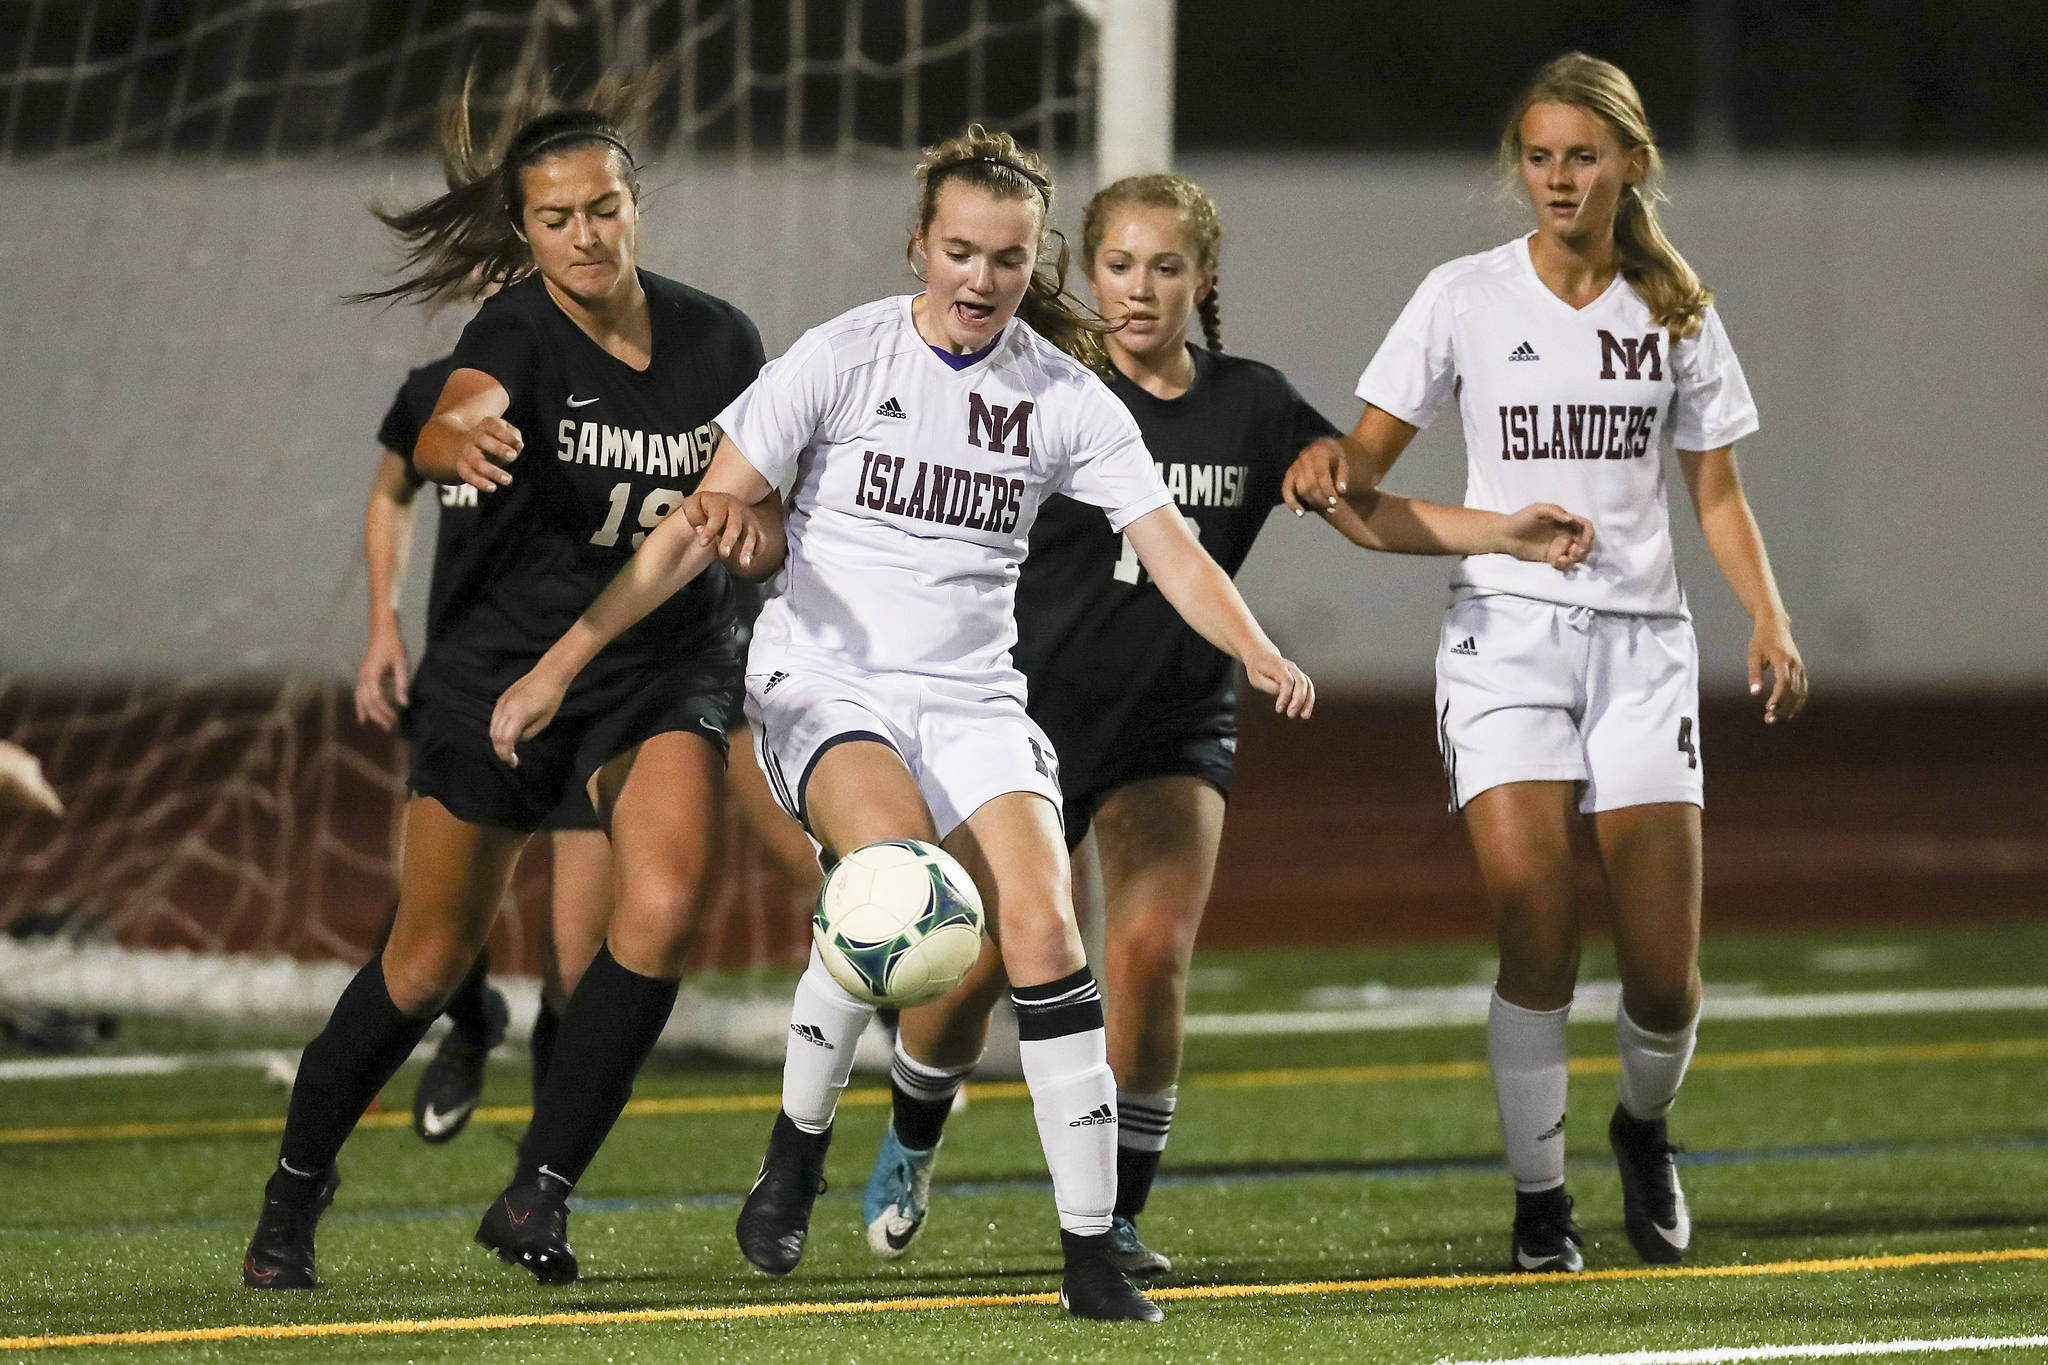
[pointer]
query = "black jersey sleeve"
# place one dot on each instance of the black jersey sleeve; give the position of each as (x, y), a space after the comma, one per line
(399, 429)
(501, 343)
(1303, 422)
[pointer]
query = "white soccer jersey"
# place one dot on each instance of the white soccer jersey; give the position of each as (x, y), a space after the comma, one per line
(915, 487)
(1563, 405)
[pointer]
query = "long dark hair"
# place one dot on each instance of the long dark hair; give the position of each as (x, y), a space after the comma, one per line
(463, 243)
(993, 163)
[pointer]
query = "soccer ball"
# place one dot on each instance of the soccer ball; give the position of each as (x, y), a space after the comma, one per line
(898, 922)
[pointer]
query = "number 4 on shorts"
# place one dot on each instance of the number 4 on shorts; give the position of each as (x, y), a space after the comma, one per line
(1685, 744)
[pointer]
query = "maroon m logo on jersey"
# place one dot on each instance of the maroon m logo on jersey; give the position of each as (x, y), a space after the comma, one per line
(1633, 355)
(1000, 424)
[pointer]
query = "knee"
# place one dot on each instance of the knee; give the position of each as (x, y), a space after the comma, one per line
(1148, 951)
(654, 926)
(421, 978)
(1662, 1006)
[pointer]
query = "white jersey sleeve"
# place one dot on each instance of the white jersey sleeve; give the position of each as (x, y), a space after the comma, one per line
(776, 417)
(1109, 466)
(1711, 407)
(1414, 374)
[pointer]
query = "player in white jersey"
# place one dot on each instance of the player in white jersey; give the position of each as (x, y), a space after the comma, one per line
(1577, 356)
(918, 437)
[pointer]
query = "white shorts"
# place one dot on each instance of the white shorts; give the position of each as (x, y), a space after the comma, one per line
(964, 746)
(1530, 691)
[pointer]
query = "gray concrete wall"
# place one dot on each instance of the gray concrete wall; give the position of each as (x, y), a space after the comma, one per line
(187, 415)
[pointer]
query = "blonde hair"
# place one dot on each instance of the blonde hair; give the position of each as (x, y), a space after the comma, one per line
(1198, 214)
(1649, 262)
(994, 164)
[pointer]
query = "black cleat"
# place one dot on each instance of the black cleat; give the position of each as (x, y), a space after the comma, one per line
(454, 1080)
(1094, 1288)
(1130, 1254)
(529, 1226)
(280, 1254)
(1652, 1205)
(777, 1215)
(1546, 1239)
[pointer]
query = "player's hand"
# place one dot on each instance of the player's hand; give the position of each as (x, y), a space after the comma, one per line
(487, 448)
(380, 682)
(1294, 696)
(1317, 478)
(1771, 649)
(523, 712)
(22, 783)
(1544, 533)
(728, 525)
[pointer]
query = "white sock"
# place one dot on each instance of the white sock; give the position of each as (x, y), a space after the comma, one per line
(825, 1024)
(1144, 1119)
(1526, 1049)
(1652, 1065)
(1065, 1053)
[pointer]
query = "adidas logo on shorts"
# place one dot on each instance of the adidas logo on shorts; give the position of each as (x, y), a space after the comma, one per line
(1468, 645)
(813, 1035)
(774, 680)
(1101, 1113)
(1524, 352)
(890, 408)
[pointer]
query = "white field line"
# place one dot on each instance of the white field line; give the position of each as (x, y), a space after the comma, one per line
(148, 1064)
(1463, 1005)
(1720, 1355)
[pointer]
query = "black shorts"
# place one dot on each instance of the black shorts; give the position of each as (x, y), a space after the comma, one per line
(453, 762)
(1206, 751)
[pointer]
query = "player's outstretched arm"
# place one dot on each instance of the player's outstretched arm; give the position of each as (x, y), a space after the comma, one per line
(387, 544)
(1738, 546)
(1541, 532)
(1329, 468)
(468, 439)
(1207, 600)
(672, 555)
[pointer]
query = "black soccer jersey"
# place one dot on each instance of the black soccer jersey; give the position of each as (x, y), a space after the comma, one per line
(1107, 658)
(609, 452)
(399, 431)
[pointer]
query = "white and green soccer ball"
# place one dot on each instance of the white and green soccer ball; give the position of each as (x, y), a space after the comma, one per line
(898, 922)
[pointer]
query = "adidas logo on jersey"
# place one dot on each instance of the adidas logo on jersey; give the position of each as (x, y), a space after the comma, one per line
(1468, 645)
(813, 1035)
(1101, 1113)
(1524, 352)
(890, 408)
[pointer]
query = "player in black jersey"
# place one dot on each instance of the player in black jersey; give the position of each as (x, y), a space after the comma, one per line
(1141, 710)
(580, 891)
(613, 375)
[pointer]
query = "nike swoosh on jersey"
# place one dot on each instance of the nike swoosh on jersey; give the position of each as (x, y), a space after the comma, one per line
(437, 1122)
(576, 402)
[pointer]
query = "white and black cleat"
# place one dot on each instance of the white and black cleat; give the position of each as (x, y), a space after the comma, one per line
(1546, 1240)
(1094, 1288)
(1652, 1204)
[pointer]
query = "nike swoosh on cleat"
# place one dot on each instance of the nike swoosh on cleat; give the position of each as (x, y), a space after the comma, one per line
(1528, 1262)
(253, 1273)
(1671, 1235)
(898, 1240)
(437, 1122)
(518, 1218)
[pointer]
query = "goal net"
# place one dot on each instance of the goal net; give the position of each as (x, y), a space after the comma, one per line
(191, 418)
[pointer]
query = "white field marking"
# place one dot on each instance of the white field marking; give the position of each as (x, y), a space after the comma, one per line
(1720, 1355)
(146, 1064)
(1891, 957)
(1462, 1005)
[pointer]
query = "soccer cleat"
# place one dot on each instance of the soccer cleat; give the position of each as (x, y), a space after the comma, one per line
(1652, 1205)
(776, 1218)
(1094, 1288)
(1546, 1239)
(898, 1195)
(280, 1254)
(1132, 1256)
(454, 1080)
(529, 1226)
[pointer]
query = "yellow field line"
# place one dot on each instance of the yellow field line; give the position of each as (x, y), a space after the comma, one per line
(736, 1312)
(766, 1102)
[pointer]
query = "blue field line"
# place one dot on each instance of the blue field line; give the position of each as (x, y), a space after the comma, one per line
(1419, 1169)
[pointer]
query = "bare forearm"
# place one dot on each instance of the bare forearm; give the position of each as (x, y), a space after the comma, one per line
(440, 441)
(1738, 546)
(1207, 600)
(662, 567)
(1411, 526)
(387, 543)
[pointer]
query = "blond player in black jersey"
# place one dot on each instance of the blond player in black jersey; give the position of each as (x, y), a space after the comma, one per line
(1578, 356)
(1141, 710)
(606, 378)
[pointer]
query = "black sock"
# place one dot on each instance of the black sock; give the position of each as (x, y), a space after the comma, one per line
(466, 1009)
(365, 1042)
(1134, 1172)
(546, 1025)
(606, 1033)
(919, 1123)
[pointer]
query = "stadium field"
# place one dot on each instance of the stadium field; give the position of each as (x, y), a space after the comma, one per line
(1867, 1161)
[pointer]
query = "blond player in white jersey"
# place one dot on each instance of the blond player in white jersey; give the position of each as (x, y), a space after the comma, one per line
(918, 437)
(1577, 356)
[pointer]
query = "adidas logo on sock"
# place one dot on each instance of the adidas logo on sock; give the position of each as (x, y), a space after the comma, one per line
(1524, 352)
(813, 1035)
(1101, 1113)
(1468, 645)
(890, 408)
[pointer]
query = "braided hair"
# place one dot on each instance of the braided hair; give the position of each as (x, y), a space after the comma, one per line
(1198, 219)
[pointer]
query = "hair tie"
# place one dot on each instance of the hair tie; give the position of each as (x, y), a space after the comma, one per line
(1035, 181)
(580, 135)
